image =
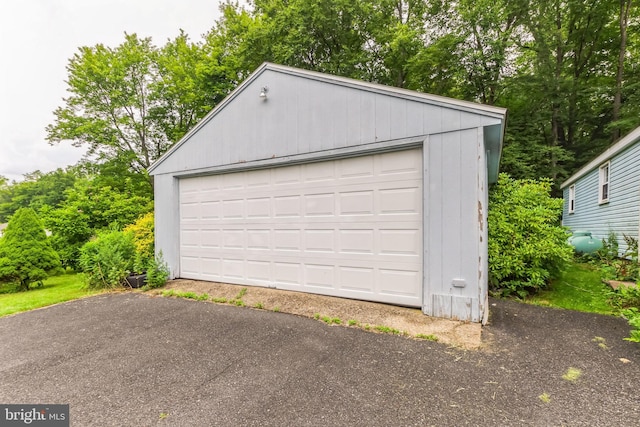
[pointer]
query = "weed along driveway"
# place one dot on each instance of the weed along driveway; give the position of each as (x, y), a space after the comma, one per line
(129, 359)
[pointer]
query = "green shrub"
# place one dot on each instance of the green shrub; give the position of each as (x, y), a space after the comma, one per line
(26, 255)
(625, 297)
(613, 264)
(633, 317)
(108, 259)
(142, 231)
(527, 245)
(158, 272)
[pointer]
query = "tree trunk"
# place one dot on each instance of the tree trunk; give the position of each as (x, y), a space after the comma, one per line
(625, 5)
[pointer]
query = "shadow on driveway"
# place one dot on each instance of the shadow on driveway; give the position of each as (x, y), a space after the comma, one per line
(129, 359)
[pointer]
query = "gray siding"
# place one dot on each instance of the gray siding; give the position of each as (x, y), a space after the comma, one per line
(302, 115)
(455, 227)
(167, 220)
(621, 214)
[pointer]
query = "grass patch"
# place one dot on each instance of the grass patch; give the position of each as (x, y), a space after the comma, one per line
(258, 305)
(220, 300)
(242, 293)
(579, 288)
(572, 374)
(545, 397)
(331, 320)
(55, 290)
(429, 337)
(187, 295)
(387, 330)
(352, 322)
(602, 343)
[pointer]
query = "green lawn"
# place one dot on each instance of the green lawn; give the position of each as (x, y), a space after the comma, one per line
(55, 290)
(579, 288)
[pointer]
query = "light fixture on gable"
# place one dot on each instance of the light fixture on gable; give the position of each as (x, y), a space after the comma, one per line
(263, 92)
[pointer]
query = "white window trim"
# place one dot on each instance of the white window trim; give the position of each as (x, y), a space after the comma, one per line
(602, 183)
(572, 199)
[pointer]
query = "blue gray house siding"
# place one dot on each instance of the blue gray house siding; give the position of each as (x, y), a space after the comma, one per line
(621, 214)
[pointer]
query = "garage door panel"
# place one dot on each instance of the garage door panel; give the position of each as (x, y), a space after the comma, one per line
(358, 279)
(211, 267)
(259, 270)
(233, 238)
(357, 241)
(319, 276)
(401, 242)
(259, 207)
(399, 163)
(286, 240)
(356, 203)
(287, 206)
(350, 227)
(319, 205)
(356, 168)
(287, 274)
(258, 239)
(398, 282)
(319, 240)
(210, 210)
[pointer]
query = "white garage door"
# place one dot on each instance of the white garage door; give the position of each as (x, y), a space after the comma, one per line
(350, 227)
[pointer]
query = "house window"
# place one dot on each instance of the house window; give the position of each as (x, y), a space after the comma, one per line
(603, 196)
(572, 199)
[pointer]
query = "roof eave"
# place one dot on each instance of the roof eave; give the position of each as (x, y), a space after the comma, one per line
(622, 144)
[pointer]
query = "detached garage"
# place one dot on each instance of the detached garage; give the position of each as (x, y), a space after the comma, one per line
(315, 183)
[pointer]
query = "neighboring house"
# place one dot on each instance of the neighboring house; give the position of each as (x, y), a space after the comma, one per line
(310, 182)
(604, 196)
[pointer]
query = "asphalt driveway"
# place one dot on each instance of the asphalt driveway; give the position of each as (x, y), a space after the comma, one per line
(134, 360)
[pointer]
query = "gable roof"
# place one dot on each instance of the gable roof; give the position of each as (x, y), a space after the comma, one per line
(622, 144)
(495, 138)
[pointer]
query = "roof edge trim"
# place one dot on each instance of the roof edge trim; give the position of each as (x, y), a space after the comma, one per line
(623, 143)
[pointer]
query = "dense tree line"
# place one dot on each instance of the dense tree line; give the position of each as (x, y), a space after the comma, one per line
(567, 70)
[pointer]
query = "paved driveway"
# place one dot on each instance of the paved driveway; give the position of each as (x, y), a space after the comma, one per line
(133, 360)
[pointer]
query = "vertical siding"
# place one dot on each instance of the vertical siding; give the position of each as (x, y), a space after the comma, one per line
(452, 229)
(304, 116)
(621, 214)
(167, 220)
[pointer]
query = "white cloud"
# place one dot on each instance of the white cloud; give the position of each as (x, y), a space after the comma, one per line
(37, 38)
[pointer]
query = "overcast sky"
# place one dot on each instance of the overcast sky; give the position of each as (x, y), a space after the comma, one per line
(37, 38)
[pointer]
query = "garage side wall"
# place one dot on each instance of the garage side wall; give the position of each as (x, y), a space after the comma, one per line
(167, 218)
(455, 225)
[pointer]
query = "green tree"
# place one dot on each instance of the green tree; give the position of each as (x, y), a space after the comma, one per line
(35, 191)
(26, 256)
(89, 208)
(132, 102)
